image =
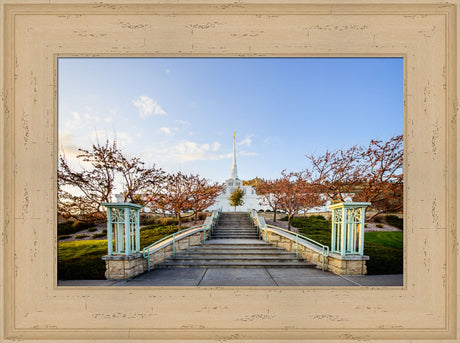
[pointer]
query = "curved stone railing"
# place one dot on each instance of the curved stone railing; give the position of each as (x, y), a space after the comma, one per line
(168, 246)
(124, 267)
(309, 249)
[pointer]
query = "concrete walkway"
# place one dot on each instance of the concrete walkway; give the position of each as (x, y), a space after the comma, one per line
(272, 277)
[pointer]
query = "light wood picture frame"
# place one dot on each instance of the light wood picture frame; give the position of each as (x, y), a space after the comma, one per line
(35, 34)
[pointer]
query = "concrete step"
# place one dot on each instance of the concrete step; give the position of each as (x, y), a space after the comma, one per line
(234, 236)
(237, 265)
(217, 245)
(237, 260)
(235, 249)
(235, 253)
(235, 228)
(234, 231)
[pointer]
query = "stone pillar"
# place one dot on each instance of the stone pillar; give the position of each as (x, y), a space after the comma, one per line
(347, 238)
(124, 260)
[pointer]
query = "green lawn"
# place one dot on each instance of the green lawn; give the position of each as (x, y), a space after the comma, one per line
(391, 239)
(82, 260)
(384, 248)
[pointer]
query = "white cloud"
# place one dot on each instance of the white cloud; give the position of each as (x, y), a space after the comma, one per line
(77, 121)
(215, 146)
(67, 145)
(167, 70)
(182, 122)
(108, 119)
(148, 106)
(122, 138)
(166, 130)
(185, 151)
(247, 141)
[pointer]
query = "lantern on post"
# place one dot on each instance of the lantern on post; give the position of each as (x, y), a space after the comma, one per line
(348, 227)
(123, 228)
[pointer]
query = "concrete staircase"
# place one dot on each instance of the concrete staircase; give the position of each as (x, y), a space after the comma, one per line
(234, 244)
(236, 225)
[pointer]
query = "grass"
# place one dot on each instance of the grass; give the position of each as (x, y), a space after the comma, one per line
(384, 248)
(391, 239)
(82, 260)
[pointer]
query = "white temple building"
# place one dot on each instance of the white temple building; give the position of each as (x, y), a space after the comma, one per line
(251, 199)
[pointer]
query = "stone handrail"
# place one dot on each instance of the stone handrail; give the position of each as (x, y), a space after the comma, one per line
(206, 228)
(309, 249)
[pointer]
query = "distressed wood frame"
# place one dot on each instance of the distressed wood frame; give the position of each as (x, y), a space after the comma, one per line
(35, 34)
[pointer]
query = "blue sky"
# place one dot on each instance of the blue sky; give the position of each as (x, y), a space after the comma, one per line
(180, 113)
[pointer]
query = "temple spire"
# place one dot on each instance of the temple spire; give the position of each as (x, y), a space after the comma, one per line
(234, 170)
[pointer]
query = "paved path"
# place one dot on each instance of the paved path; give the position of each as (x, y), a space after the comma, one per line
(244, 277)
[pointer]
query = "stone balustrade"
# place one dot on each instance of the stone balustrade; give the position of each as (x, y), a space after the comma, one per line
(124, 267)
(335, 263)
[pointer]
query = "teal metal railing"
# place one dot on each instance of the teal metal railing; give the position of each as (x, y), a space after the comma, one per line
(207, 226)
(259, 222)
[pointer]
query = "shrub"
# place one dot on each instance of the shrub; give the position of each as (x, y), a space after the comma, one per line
(378, 219)
(64, 237)
(145, 219)
(383, 260)
(92, 229)
(379, 225)
(69, 227)
(318, 216)
(202, 216)
(80, 236)
(104, 231)
(99, 235)
(393, 220)
(166, 221)
(284, 219)
(260, 211)
(79, 225)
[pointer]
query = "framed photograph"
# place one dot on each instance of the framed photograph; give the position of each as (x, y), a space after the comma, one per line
(35, 35)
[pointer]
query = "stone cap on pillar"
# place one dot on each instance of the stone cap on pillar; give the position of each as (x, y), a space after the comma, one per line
(348, 204)
(122, 205)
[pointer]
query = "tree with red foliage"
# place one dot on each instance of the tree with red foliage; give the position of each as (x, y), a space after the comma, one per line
(103, 165)
(373, 174)
(337, 173)
(382, 175)
(271, 193)
(173, 196)
(297, 193)
(203, 194)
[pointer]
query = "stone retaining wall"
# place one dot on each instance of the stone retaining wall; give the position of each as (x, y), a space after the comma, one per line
(123, 267)
(335, 263)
